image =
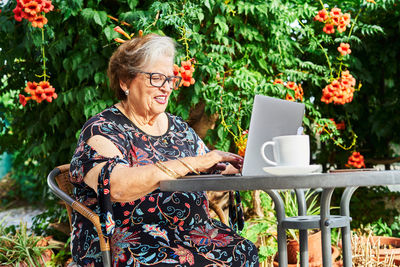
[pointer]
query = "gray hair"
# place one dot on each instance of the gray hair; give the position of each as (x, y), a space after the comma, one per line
(133, 55)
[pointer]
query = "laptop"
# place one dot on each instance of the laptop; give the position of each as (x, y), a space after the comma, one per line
(270, 117)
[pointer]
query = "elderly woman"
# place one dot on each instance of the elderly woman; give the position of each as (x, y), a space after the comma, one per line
(122, 155)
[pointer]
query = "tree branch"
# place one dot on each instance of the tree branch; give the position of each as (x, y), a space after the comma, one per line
(383, 161)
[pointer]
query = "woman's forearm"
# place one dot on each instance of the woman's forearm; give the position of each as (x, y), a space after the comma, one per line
(130, 183)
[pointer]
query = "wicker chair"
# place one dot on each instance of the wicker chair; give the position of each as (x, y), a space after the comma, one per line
(61, 186)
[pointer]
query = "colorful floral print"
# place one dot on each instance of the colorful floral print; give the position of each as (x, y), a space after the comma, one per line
(161, 228)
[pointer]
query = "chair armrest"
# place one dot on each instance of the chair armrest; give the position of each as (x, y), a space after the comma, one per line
(82, 209)
(51, 181)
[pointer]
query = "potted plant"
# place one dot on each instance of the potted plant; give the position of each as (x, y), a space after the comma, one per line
(23, 249)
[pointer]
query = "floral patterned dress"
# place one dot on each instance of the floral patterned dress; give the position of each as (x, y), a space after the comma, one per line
(161, 228)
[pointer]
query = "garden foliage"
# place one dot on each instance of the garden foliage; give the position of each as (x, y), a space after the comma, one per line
(239, 49)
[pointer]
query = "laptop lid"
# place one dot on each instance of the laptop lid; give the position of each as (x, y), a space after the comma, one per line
(270, 117)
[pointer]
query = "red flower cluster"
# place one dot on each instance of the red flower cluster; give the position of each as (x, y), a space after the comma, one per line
(186, 72)
(356, 160)
(339, 91)
(38, 92)
(32, 10)
(344, 49)
(298, 90)
(332, 19)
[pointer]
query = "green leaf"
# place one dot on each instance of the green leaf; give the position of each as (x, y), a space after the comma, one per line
(81, 73)
(88, 13)
(263, 65)
(5, 24)
(221, 132)
(99, 77)
(76, 61)
(306, 121)
(132, 4)
(110, 33)
(207, 4)
(221, 22)
(200, 16)
(100, 17)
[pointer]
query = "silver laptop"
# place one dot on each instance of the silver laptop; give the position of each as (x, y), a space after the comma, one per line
(270, 117)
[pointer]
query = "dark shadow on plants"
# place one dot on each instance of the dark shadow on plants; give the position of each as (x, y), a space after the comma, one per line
(368, 205)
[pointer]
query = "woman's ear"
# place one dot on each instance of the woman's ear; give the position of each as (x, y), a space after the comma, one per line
(123, 85)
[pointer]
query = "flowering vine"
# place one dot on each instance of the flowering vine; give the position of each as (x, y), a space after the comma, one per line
(344, 49)
(125, 34)
(241, 143)
(340, 125)
(186, 72)
(339, 91)
(240, 140)
(34, 11)
(297, 88)
(356, 160)
(334, 18)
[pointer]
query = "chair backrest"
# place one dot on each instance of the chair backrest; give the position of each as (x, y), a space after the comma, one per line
(65, 185)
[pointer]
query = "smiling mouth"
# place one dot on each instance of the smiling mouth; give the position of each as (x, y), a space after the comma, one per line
(161, 99)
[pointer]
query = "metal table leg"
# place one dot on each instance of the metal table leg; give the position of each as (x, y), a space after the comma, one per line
(280, 215)
(303, 242)
(346, 237)
(325, 227)
(303, 235)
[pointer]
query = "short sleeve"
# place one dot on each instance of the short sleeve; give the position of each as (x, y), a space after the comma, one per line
(85, 157)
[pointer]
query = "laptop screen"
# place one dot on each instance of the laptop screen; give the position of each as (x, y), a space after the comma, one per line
(270, 117)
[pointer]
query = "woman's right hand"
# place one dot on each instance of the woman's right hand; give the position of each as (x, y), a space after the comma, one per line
(212, 159)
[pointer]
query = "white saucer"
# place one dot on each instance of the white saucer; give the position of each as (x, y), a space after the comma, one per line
(292, 170)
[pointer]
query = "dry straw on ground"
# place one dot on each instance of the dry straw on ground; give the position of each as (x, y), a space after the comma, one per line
(363, 254)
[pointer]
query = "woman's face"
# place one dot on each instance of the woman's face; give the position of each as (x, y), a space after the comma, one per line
(148, 100)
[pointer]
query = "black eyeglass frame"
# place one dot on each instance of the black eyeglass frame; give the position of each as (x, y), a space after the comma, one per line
(167, 78)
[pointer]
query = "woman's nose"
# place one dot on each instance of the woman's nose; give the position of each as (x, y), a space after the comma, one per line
(167, 86)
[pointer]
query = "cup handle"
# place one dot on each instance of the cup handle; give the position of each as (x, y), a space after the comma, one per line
(268, 143)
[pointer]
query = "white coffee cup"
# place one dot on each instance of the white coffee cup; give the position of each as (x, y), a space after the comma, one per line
(288, 150)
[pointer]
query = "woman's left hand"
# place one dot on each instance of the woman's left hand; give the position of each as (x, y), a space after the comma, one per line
(216, 160)
(236, 162)
(229, 169)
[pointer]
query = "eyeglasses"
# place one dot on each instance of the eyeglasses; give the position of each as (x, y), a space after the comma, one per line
(159, 79)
